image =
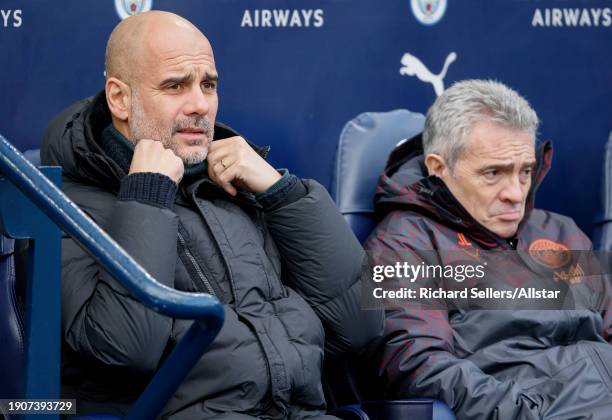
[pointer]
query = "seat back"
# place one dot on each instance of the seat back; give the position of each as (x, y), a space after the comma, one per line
(364, 146)
(33, 155)
(603, 233)
(30, 319)
(11, 325)
(363, 149)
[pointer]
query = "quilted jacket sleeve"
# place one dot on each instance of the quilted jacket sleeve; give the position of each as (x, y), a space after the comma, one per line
(323, 260)
(100, 319)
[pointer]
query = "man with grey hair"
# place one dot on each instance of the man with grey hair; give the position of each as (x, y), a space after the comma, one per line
(460, 193)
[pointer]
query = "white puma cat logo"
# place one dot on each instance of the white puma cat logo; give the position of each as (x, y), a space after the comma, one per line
(412, 66)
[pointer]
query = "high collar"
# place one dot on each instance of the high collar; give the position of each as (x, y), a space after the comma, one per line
(74, 141)
(121, 151)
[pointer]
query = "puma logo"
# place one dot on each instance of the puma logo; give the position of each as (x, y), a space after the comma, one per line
(412, 66)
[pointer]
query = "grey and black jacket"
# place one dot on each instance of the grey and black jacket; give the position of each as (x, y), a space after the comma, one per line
(288, 274)
(519, 362)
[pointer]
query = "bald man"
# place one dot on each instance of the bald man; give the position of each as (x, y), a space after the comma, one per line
(201, 210)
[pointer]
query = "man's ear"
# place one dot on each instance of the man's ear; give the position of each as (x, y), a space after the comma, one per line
(436, 165)
(118, 98)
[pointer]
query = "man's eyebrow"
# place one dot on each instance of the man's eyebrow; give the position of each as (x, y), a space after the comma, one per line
(211, 77)
(507, 166)
(177, 80)
(498, 166)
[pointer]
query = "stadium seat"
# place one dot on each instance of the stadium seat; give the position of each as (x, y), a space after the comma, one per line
(364, 146)
(33, 155)
(603, 235)
(29, 316)
(11, 325)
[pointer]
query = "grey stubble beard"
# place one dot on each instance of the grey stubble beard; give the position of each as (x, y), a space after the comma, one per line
(142, 127)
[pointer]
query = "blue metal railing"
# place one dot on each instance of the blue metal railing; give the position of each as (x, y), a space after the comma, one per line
(204, 309)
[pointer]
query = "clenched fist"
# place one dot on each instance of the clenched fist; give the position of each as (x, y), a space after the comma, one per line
(232, 164)
(152, 156)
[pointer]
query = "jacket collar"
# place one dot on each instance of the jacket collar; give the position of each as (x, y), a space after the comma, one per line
(77, 145)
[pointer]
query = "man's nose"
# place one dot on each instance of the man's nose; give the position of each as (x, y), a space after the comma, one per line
(196, 103)
(512, 191)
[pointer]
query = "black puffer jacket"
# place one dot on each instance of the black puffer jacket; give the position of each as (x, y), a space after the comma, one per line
(289, 280)
(484, 363)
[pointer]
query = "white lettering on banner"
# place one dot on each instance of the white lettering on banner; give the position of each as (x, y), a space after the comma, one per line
(559, 18)
(11, 18)
(282, 18)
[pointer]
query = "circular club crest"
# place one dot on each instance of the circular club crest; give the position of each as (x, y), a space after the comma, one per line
(549, 254)
(127, 8)
(428, 12)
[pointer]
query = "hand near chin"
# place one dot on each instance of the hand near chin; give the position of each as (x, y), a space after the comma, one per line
(233, 164)
(152, 156)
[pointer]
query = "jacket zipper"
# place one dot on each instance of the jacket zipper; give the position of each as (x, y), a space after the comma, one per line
(195, 265)
(221, 253)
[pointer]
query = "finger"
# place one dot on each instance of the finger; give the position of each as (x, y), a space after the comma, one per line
(220, 144)
(219, 159)
(223, 142)
(225, 178)
(221, 152)
(212, 172)
(215, 169)
(230, 146)
(222, 158)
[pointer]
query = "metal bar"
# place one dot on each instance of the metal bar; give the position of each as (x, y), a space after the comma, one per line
(167, 379)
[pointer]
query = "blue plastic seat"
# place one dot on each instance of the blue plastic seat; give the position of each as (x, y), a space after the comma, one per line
(11, 325)
(364, 146)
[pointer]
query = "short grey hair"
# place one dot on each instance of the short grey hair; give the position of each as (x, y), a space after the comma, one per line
(453, 114)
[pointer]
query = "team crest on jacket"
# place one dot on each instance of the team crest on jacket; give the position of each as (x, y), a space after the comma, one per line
(127, 8)
(428, 12)
(549, 254)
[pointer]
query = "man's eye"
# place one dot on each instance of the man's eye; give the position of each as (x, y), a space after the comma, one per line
(209, 85)
(176, 86)
(491, 174)
(526, 174)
